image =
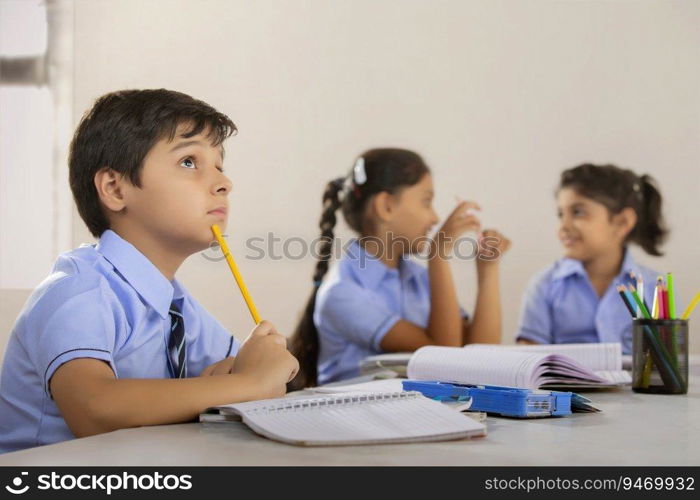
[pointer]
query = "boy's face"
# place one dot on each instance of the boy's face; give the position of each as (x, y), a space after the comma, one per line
(183, 192)
(586, 229)
(415, 216)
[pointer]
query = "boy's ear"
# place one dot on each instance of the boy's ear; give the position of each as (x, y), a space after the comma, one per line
(383, 206)
(110, 189)
(625, 221)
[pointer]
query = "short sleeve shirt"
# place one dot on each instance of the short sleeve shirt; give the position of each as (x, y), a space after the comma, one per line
(560, 305)
(360, 300)
(107, 302)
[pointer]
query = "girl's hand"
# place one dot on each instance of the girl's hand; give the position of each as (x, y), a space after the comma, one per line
(458, 222)
(492, 245)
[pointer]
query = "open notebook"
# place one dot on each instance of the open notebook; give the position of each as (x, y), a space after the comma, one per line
(352, 418)
(597, 357)
(519, 366)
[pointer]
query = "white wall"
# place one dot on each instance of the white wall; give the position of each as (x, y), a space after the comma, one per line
(499, 97)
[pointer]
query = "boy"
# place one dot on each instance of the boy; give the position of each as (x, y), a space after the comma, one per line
(110, 339)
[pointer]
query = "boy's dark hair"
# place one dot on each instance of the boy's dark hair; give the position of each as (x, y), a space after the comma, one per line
(617, 189)
(120, 130)
(386, 169)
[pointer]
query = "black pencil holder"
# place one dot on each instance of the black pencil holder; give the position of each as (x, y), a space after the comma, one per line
(660, 356)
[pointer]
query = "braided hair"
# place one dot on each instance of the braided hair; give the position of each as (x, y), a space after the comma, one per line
(386, 169)
(617, 189)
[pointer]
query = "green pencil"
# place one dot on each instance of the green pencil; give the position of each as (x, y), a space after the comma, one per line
(640, 303)
(671, 297)
(672, 315)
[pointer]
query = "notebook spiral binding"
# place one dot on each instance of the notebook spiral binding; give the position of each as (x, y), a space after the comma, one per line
(325, 402)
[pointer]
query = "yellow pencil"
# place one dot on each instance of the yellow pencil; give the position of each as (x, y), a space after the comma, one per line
(655, 304)
(691, 306)
(231, 264)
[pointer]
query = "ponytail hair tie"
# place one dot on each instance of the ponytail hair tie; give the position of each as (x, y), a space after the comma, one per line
(359, 175)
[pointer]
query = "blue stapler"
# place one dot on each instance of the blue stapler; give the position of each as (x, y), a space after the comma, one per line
(504, 401)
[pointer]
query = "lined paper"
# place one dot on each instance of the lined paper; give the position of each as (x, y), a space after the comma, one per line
(355, 418)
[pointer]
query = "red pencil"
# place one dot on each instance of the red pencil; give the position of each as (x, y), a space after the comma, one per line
(664, 303)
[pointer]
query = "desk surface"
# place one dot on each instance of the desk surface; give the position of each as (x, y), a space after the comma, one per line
(632, 429)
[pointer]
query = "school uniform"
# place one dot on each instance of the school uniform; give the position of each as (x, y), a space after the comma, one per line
(360, 300)
(560, 305)
(106, 302)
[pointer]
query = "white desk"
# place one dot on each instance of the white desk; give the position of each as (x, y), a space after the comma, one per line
(633, 429)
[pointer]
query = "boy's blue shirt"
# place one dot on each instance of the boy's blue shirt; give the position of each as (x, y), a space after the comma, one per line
(360, 300)
(106, 302)
(560, 305)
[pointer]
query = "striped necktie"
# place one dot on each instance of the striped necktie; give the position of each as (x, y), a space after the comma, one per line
(177, 349)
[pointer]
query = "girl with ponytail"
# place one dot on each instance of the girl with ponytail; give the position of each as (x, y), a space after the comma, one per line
(376, 299)
(602, 210)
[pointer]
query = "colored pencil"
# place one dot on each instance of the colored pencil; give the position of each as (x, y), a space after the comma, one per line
(689, 310)
(640, 304)
(630, 307)
(655, 303)
(671, 311)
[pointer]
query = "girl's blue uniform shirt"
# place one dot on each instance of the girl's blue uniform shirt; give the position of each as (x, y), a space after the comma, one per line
(106, 302)
(560, 305)
(360, 300)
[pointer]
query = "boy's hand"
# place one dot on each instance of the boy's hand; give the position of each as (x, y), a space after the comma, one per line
(223, 367)
(458, 222)
(492, 245)
(263, 359)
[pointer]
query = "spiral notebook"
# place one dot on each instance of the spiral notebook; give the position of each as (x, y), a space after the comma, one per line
(351, 419)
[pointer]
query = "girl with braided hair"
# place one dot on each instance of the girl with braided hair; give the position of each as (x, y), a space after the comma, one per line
(378, 300)
(601, 209)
